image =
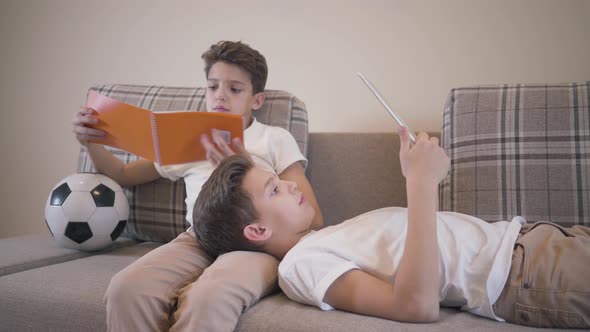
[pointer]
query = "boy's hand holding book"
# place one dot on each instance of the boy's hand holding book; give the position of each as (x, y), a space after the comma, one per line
(81, 122)
(217, 149)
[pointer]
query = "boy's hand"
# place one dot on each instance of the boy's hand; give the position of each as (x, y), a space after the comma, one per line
(80, 123)
(217, 150)
(425, 161)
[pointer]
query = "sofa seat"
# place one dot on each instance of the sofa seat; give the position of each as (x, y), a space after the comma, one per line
(21, 253)
(69, 297)
(278, 313)
(65, 296)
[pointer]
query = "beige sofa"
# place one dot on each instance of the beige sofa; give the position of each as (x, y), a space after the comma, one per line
(45, 288)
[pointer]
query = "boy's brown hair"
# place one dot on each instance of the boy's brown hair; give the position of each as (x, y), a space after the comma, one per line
(223, 209)
(242, 55)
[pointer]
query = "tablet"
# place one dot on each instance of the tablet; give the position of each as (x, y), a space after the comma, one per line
(394, 115)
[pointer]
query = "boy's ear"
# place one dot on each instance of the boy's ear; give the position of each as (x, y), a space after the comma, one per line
(257, 232)
(259, 99)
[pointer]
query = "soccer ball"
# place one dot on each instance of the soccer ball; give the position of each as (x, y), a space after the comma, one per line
(86, 211)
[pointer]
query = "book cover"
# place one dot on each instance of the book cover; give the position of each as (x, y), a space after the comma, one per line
(163, 137)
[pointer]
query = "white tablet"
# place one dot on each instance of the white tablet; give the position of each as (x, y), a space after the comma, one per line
(395, 116)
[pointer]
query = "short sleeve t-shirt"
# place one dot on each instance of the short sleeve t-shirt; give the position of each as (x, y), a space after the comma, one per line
(475, 257)
(272, 149)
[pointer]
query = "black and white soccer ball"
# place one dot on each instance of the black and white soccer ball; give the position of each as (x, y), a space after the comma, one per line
(86, 211)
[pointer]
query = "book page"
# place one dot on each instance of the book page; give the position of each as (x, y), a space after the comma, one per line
(127, 127)
(179, 133)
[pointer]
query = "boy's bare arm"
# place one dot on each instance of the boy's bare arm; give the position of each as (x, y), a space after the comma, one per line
(296, 173)
(134, 173)
(126, 175)
(361, 293)
(413, 296)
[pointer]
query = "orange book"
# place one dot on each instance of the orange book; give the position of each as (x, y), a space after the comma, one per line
(164, 137)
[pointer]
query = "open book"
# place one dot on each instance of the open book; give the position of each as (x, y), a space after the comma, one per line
(163, 137)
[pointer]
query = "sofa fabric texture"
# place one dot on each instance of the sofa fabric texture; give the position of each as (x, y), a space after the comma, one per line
(157, 210)
(519, 150)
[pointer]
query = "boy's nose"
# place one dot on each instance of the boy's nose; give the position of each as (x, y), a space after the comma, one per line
(220, 94)
(292, 186)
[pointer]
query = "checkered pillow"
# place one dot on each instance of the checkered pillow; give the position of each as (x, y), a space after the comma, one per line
(519, 150)
(157, 209)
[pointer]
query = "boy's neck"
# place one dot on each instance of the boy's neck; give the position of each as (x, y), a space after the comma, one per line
(250, 121)
(280, 247)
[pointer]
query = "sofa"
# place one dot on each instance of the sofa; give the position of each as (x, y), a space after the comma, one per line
(515, 150)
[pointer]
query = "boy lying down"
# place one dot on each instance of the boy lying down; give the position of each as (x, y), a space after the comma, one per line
(400, 263)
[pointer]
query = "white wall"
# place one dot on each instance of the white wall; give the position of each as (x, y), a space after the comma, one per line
(415, 51)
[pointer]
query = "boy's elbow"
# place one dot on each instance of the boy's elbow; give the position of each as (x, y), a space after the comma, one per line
(430, 315)
(420, 312)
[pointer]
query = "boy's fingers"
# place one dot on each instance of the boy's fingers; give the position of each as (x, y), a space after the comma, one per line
(214, 157)
(405, 140)
(84, 116)
(89, 120)
(422, 136)
(237, 143)
(88, 136)
(206, 142)
(212, 154)
(221, 144)
(87, 110)
(88, 131)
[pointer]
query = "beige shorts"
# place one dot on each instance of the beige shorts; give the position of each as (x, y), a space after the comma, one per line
(549, 280)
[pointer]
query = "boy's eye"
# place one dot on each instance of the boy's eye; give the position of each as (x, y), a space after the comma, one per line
(235, 90)
(212, 87)
(275, 191)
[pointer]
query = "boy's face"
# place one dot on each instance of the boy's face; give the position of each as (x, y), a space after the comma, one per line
(229, 90)
(281, 207)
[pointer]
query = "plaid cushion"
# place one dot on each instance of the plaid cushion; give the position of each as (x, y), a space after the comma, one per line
(519, 150)
(157, 209)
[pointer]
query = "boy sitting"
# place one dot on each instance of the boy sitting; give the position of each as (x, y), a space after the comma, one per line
(164, 289)
(401, 264)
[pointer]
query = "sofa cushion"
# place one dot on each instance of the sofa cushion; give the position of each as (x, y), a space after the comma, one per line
(353, 173)
(21, 253)
(345, 187)
(157, 209)
(519, 150)
(278, 313)
(66, 296)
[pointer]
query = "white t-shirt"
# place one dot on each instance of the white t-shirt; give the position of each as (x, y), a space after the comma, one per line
(272, 149)
(475, 257)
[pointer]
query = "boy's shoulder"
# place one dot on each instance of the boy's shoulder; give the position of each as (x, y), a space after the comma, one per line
(270, 130)
(265, 126)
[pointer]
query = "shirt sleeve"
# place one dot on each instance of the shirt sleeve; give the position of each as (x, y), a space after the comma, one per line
(173, 172)
(286, 151)
(306, 280)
